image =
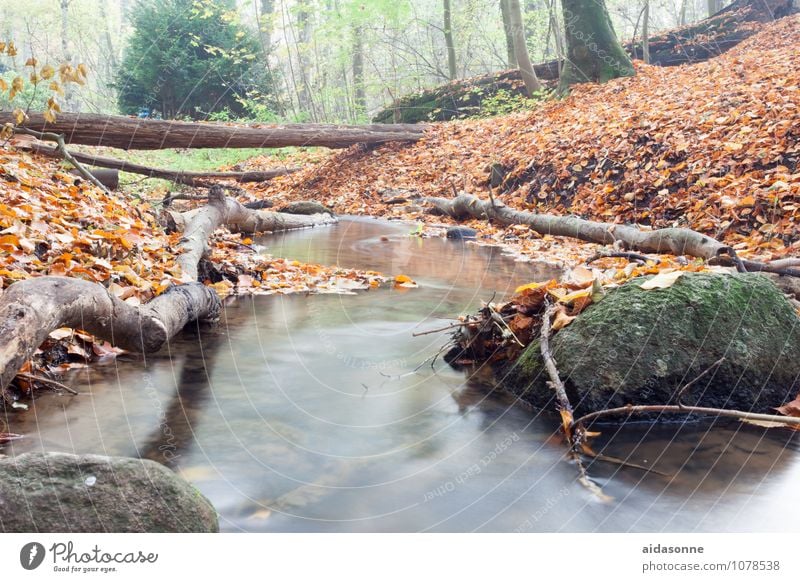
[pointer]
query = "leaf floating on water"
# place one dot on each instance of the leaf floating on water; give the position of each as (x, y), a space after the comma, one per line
(405, 281)
(765, 423)
(663, 280)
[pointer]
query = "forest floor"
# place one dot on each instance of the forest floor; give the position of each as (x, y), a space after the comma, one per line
(712, 146)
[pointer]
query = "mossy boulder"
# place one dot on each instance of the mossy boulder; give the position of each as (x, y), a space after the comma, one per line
(640, 347)
(61, 492)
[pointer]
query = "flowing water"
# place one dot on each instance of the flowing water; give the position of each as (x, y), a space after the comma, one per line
(312, 413)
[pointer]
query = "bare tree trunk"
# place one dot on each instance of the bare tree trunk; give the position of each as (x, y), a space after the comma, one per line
(682, 17)
(449, 42)
(532, 84)
(509, 36)
(646, 32)
(714, 6)
(359, 93)
(594, 53)
(265, 24)
(69, 91)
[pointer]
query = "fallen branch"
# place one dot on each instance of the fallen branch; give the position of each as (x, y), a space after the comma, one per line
(178, 176)
(683, 409)
(674, 241)
(61, 151)
(565, 408)
(198, 225)
(48, 381)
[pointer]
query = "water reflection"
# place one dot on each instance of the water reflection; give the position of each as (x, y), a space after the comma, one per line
(307, 414)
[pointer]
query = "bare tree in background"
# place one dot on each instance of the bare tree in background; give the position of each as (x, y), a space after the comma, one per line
(532, 83)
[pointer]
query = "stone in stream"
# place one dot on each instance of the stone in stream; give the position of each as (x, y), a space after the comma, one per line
(61, 492)
(461, 232)
(307, 207)
(640, 347)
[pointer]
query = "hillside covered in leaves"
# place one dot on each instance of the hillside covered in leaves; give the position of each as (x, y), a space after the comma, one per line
(712, 146)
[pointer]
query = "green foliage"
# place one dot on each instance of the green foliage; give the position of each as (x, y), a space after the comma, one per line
(190, 58)
(31, 94)
(504, 102)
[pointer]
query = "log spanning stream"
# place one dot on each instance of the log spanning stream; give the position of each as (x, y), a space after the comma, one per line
(306, 414)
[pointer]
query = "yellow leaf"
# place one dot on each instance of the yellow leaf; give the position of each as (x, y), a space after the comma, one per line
(17, 84)
(529, 287)
(54, 86)
(31, 62)
(561, 320)
(403, 279)
(569, 298)
(19, 116)
(83, 70)
(49, 116)
(47, 72)
(663, 280)
(3, 84)
(11, 49)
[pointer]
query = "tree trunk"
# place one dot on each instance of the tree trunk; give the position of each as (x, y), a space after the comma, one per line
(32, 308)
(532, 84)
(646, 32)
(178, 176)
(449, 42)
(593, 52)
(265, 24)
(148, 134)
(682, 13)
(359, 93)
(714, 6)
(512, 59)
(69, 91)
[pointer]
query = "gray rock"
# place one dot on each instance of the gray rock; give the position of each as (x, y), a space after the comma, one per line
(307, 207)
(641, 347)
(461, 232)
(61, 492)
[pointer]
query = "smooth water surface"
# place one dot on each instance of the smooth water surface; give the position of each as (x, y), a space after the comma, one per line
(314, 413)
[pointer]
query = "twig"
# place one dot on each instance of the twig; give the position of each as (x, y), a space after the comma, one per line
(48, 381)
(740, 266)
(682, 409)
(683, 390)
(451, 326)
(501, 323)
(552, 371)
(61, 148)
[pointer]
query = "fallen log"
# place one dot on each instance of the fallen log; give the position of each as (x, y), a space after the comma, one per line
(32, 308)
(148, 134)
(178, 176)
(675, 241)
(198, 225)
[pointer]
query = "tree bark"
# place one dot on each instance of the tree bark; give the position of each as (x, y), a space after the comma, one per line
(452, 69)
(714, 6)
(359, 94)
(178, 176)
(532, 84)
(32, 308)
(646, 32)
(675, 241)
(148, 134)
(593, 52)
(512, 59)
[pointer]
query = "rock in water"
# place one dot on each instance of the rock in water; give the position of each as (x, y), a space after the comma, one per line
(61, 492)
(307, 207)
(461, 232)
(641, 347)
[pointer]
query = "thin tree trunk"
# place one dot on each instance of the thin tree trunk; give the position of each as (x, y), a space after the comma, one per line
(532, 84)
(359, 92)
(646, 32)
(69, 90)
(449, 42)
(512, 59)
(594, 53)
(714, 6)
(682, 17)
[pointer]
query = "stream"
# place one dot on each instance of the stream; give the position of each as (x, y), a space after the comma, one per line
(323, 413)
